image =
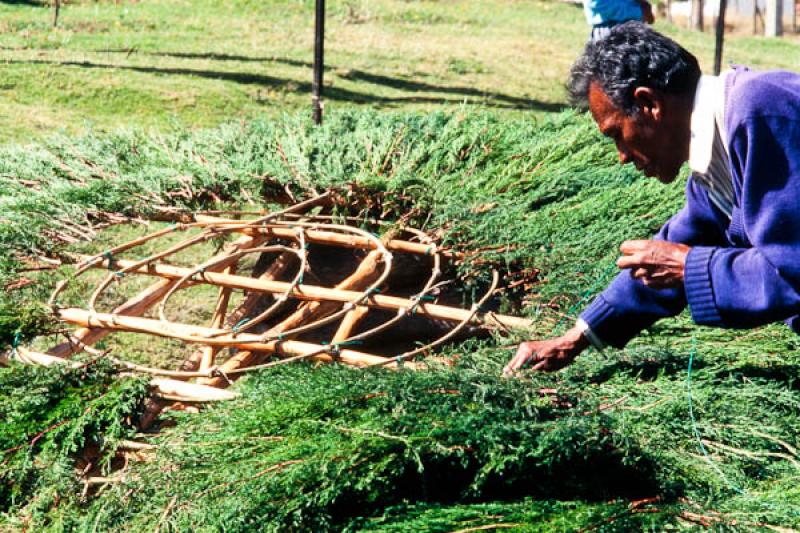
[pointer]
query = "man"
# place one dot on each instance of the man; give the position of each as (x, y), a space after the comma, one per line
(602, 15)
(732, 254)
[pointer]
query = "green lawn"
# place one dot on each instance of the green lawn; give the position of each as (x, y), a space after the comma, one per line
(154, 63)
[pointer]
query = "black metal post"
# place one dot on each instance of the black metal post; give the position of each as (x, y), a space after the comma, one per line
(720, 37)
(319, 65)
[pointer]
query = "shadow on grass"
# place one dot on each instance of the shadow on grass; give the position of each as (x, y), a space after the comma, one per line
(332, 93)
(31, 3)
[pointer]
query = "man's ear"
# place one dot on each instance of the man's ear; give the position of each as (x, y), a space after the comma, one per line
(649, 102)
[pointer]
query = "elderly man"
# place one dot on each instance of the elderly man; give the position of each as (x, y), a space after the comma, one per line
(732, 254)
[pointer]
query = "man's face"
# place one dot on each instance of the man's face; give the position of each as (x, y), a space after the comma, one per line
(649, 140)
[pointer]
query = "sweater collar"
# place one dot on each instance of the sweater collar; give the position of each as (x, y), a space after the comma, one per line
(707, 117)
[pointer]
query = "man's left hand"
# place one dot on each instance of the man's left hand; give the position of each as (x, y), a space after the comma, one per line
(659, 264)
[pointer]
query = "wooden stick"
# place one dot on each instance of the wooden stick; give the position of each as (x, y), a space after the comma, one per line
(311, 292)
(349, 323)
(363, 276)
(330, 237)
(243, 341)
(30, 357)
(188, 391)
(136, 306)
(275, 270)
(217, 321)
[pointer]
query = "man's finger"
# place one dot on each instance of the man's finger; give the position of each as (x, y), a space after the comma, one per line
(629, 247)
(632, 261)
(541, 365)
(525, 352)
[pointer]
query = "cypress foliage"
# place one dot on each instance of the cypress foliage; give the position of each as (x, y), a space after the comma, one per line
(330, 448)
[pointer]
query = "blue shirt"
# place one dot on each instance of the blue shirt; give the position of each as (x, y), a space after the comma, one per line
(600, 12)
(744, 269)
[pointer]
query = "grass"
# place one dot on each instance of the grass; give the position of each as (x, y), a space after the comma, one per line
(447, 107)
(154, 64)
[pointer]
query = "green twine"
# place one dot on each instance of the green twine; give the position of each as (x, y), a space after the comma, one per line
(695, 430)
(587, 293)
(343, 343)
(110, 257)
(235, 328)
(15, 343)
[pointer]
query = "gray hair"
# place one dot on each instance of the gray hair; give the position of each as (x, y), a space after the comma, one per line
(632, 55)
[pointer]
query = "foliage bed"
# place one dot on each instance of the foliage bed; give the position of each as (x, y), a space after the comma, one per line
(608, 444)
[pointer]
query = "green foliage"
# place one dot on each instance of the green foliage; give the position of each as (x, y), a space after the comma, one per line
(50, 414)
(332, 448)
(317, 449)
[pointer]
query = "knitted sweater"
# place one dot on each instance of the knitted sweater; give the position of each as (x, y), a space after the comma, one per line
(744, 271)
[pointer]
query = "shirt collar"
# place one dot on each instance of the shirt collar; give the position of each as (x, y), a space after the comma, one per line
(709, 97)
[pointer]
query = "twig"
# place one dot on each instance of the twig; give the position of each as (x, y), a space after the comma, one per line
(166, 512)
(500, 525)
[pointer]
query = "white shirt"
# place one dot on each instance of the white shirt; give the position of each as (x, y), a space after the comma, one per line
(708, 154)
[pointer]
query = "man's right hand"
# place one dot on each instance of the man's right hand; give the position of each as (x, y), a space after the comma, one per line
(548, 355)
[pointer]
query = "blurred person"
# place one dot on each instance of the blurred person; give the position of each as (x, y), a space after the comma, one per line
(602, 15)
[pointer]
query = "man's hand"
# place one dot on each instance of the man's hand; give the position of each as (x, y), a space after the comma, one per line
(550, 354)
(659, 264)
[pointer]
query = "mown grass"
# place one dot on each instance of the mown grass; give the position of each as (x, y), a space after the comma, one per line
(155, 64)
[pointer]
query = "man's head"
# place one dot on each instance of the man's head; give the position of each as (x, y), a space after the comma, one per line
(639, 86)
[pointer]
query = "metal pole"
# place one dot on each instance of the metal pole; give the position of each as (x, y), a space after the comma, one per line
(720, 37)
(319, 65)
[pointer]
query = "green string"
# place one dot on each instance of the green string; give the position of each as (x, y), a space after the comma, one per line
(110, 257)
(15, 343)
(235, 329)
(587, 293)
(695, 430)
(343, 343)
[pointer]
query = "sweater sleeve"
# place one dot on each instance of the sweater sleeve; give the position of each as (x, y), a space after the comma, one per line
(747, 287)
(628, 306)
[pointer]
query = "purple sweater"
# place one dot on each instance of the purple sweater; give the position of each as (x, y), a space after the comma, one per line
(744, 271)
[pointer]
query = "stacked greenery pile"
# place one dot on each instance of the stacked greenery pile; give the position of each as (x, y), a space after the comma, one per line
(608, 444)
